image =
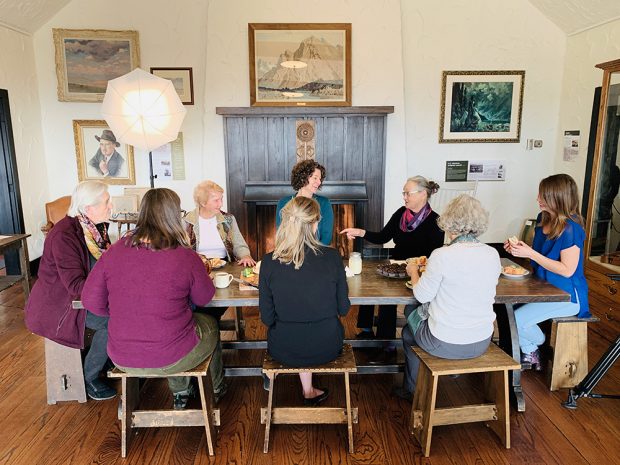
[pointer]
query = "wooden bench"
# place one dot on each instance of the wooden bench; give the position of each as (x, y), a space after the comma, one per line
(132, 418)
(64, 375)
(344, 364)
(424, 415)
(569, 346)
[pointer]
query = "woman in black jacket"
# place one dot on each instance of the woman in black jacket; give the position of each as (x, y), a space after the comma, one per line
(302, 293)
(413, 228)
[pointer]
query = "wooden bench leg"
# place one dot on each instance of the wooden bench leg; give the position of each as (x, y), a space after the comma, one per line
(569, 343)
(130, 397)
(349, 412)
(269, 411)
(207, 409)
(496, 387)
(63, 373)
(423, 408)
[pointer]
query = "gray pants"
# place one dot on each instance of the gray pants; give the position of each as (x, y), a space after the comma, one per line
(97, 355)
(425, 340)
(208, 332)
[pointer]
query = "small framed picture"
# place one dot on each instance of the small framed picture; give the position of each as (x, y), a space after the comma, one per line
(100, 156)
(182, 80)
(481, 106)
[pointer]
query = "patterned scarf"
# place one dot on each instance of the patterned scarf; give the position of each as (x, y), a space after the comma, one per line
(464, 238)
(409, 221)
(96, 241)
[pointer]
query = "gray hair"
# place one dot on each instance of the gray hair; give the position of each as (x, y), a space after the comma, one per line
(85, 194)
(431, 187)
(464, 215)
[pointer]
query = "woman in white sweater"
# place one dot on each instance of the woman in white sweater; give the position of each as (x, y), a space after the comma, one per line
(454, 317)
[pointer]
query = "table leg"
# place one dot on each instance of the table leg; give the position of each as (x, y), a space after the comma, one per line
(25, 267)
(509, 343)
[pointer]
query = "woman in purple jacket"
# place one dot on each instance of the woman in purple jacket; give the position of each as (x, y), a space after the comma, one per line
(145, 284)
(71, 249)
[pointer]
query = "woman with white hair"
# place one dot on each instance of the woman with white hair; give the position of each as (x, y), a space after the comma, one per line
(302, 292)
(456, 293)
(71, 250)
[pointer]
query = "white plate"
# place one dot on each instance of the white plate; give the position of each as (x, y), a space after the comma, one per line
(515, 276)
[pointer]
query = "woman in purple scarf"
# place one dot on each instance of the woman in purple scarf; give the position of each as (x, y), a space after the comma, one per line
(413, 228)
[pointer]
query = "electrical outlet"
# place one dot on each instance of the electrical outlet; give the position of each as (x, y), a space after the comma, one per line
(538, 143)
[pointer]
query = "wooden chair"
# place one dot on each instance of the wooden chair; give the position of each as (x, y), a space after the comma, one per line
(424, 415)
(131, 417)
(56, 211)
(63, 373)
(569, 347)
(344, 364)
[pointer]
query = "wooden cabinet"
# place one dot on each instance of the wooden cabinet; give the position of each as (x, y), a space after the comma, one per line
(602, 250)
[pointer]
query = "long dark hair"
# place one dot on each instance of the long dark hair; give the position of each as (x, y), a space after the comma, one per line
(159, 223)
(561, 196)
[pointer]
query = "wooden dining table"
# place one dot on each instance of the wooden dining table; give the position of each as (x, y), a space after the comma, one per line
(371, 288)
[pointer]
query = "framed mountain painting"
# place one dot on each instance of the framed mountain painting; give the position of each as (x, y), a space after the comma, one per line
(300, 64)
(481, 106)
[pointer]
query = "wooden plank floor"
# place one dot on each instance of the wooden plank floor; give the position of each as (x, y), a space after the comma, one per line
(32, 432)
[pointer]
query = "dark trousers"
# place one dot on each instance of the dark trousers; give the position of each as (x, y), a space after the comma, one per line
(386, 322)
(98, 353)
(215, 312)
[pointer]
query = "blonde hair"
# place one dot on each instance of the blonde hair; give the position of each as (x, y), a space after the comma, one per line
(561, 196)
(204, 189)
(431, 187)
(86, 194)
(464, 215)
(296, 231)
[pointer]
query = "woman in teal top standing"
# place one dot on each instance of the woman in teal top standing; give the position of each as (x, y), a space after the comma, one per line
(557, 257)
(306, 178)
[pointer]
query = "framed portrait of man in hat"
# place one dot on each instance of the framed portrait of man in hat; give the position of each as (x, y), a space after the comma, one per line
(100, 155)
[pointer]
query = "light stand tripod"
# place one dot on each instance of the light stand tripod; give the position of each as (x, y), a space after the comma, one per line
(584, 389)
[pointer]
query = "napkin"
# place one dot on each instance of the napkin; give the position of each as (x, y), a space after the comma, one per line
(348, 272)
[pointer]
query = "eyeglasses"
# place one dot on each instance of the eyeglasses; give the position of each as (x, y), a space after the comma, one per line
(183, 213)
(407, 193)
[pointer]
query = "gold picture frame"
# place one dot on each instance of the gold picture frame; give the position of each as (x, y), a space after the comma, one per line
(86, 59)
(302, 79)
(94, 161)
(481, 106)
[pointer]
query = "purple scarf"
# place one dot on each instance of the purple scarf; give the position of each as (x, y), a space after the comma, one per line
(409, 221)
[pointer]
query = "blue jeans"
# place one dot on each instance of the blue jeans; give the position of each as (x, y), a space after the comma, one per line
(97, 355)
(529, 315)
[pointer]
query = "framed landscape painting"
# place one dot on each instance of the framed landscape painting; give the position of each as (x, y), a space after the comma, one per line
(182, 80)
(481, 106)
(100, 156)
(305, 64)
(86, 59)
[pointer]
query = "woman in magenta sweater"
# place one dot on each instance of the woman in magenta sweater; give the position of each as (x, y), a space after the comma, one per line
(145, 284)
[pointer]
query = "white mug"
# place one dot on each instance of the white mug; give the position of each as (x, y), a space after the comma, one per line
(222, 280)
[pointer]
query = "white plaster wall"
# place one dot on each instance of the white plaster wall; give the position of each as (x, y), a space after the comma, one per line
(18, 76)
(483, 35)
(172, 34)
(377, 77)
(583, 52)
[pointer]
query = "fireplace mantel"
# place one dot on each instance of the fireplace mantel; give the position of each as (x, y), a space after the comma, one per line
(260, 144)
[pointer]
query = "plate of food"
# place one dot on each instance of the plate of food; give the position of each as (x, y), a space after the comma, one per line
(420, 261)
(514, 272)
(216, 263)
(390, 270)
(249, 277)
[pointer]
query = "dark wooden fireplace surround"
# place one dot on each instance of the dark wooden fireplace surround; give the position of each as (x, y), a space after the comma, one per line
(260, 152)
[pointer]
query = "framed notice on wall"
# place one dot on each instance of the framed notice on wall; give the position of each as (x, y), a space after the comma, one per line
(481, 170)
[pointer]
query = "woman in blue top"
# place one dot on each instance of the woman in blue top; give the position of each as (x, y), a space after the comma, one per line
(306, 178)
(556, 256)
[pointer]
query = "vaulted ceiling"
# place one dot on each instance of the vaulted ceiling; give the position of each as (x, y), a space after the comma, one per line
(571, 16)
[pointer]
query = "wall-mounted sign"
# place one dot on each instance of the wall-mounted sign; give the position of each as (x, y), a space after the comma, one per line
(482, 170)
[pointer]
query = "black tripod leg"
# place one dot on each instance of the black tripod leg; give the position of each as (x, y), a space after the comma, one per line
(584, 389)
